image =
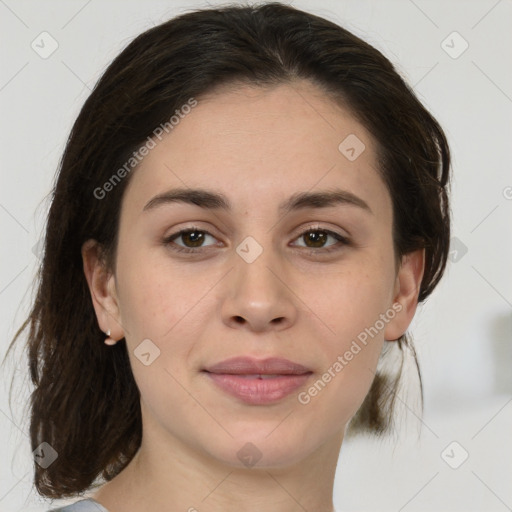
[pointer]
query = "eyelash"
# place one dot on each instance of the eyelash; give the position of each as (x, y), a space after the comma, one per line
(335, 247)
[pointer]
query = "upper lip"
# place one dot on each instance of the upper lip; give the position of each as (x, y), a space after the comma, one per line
(252, 366)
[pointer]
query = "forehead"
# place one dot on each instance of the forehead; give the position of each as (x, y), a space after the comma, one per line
(262, 144)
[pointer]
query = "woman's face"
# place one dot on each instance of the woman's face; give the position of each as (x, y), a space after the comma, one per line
(257, 284)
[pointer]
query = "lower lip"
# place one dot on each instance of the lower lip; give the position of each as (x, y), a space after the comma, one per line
(258, 391)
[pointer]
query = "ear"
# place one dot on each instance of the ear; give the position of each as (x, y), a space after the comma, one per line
(103, 290)
(406, 291)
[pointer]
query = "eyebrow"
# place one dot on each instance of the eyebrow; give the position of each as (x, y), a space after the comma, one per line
(211, 200)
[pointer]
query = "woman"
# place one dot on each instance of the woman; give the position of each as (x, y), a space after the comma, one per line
(250, 204)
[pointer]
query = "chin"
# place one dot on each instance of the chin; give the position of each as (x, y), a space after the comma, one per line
(261, 450)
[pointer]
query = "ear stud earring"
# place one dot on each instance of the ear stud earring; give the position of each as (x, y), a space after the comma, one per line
(109, 340)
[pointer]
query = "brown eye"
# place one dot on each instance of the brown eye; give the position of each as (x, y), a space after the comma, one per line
(316, 239)
(192, 238)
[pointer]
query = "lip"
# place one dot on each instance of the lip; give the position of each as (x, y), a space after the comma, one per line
(253, 366)
(242, 377)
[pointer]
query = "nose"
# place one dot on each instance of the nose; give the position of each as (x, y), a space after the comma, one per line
(257, 296)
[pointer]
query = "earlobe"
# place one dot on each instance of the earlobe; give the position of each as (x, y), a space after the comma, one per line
(407, 289)
(102, 289)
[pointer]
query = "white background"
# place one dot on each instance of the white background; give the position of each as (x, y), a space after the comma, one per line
(463, 331)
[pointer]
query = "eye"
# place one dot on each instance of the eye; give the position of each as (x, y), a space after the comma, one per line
(318, 237)
(194, 238)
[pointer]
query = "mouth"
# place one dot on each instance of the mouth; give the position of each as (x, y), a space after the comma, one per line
(258, 382)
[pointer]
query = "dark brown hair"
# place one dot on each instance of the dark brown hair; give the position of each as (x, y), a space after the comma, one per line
(85, 403)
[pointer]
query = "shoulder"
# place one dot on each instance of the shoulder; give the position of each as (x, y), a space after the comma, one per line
(84, 505)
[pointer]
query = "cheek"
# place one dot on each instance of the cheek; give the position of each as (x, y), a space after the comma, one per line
(355, 306)
(155, 293)
(350, 352)
(353, 299)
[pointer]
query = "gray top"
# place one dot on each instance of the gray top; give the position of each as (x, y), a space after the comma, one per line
(85, 505)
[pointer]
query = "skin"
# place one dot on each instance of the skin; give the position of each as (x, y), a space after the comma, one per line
(258, 147)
